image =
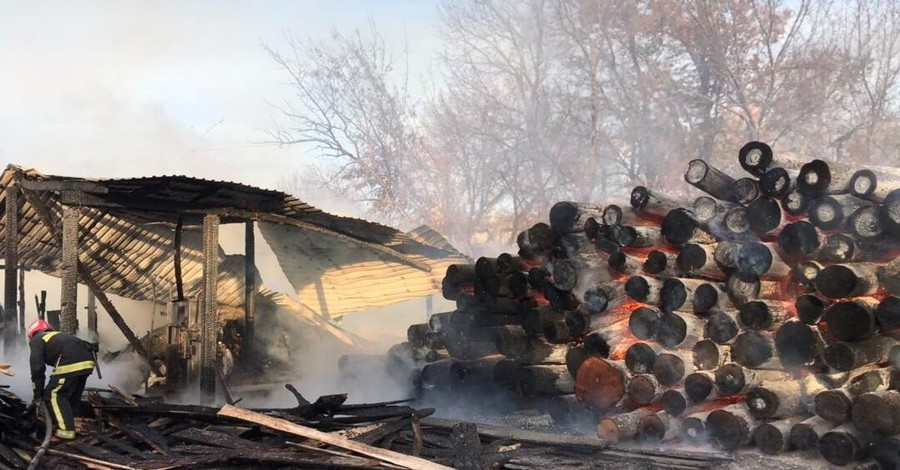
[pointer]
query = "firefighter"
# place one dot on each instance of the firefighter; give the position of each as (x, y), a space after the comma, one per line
(73, 361)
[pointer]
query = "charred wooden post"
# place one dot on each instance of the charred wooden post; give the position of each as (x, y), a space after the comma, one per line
(731, 427)
(69, 293)
(567, 216)
(710, 296)
(679, 227)
(600, 384)
(700, 386)
(659, 263)
(849, 356)
(764, 215)
(658, 427)
(843, 444)
(877, 412)
(848, 280)
(799, 239)
(798, 344)
(764, 314)
(91, 313)
(775, 437)
(745, 190)
(669, 367)
(650, 205)
(805, 435)
(776, 182)
(852, 320)
(784, 398)
(675, 329)
(644, 389)
(732, 379)
(710, 180)
(721, 326)
(755, 349)
(708, 355)
(250, 290)
(209, 318)
(836, 404)
(622, 426)
(11, 265)
(674, 401)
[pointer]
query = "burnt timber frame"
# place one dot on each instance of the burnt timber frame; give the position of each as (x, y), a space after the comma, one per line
(251, 287)
(11, 256)
(209, 315)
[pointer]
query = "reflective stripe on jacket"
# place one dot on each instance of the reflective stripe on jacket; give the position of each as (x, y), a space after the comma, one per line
(69, 355)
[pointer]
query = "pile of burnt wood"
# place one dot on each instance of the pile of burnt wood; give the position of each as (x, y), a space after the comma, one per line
(761, 313)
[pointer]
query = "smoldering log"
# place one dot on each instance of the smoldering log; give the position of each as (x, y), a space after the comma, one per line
(852, 320)
(679, 227)
(888, 313)
(565, 274)
(798, 344)
(575, 356)
(644, 323)
(600, 384)
(730, 427)
(843, 444)
(890, 214)
(732, 379)
(567, 216)
(439, 321)
(674, 401)
(624, 263)
(622, 426)
(868, 223)
(721, 326)
(539, 277)
(651, 205)
(775, 437)
(699, 260)
(806, 434)
(660, 263)
(745, 190)
(538, 242)
(557, 331)
(710, 180)
(736, 224)
(840, 248)
(796, 203)
(877, 412)
(536, 351)
(460, 274)
(816, 177)
(436, 355)
(533, 321)
(885, 452)
(581, 322)
(635, 237)
(644, 389)
(849, 356)
(415, 334)
(436, 376)
(764, 314)
(669, 367)
(644, 289)
(756, 157)
(545, 379)
(873, 186)
(783, 398)
(804, 275)
(744, 288)
(848, 280)
(776, 182)
(830, 212)
(799, 239)
(478, 372)
(561, 300)
(889, 275)
(809, 308)
(693, 427)
(600, 343)
(755, 349)
(434, 340)
(678, 294)
(658, 427)
(707, 209)
(835, 405)
(565, 410)
(675, 329)
(700, 386)
(710, 296)
(761, 259)
(640, 356)
(764, 215)
(708, 355)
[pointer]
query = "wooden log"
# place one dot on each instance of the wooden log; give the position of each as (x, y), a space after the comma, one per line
(775, 437)
(600, 384)
(889, 275)
(746, 190)
(622, 426)
(796, 203)
(777, 182)
(415, 334)
(460, 274)
(670, 367)
(567, 217)
(644, 323)
(678, 294)
(736, 224)
(660, 264)
(848, 280)
(580, 322)
(565, 410)
(888, 313)
(707, 209)
(799, 239)
(798, 344)
(651, 205)
(600, 343)
(640, 356)
(693, 427)
(817, 177)
(757, 157)
(674, 401)
(281, 425)
(852, 320)
(624, 263)
(755, 349)
(732, 379)
(680, 227)
(574, 358)
(885, 451)
(657, 427)
(708, 355)
(867, 223)
(644, 389)
(561, 300)
(849, 356)
(699, 260)
(710, 180)
(843, 444)
(535, 380)
(764, 215)
(700, 386)
(784, 398)
(804, 274)
(730, 427)
(711, 296)
(890, 214)
(836, 404)
(643, 289)
(436, 375)
(439, 321)
(761, 259)
(764, 314)
(635, 237)
(675, 329)
(873, 186)
(744, 288)
(721, 326)
(536, 351)
(434, 341)
(877, 412)
(805, 435)
(809, 308)
(598, 298)
(831, 212)
(478, 372)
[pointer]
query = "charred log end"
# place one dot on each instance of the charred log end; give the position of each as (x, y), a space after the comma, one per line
(706, 355)
(671, 330)
(562, 216)
(868, 223)
(754, 259)
(705, 298)
(656, 262)
(804, 436)
(575, 356)
(690, 258)
(730, 379)
(762, 403)
(693, 429)
(565, 274)
(833, 405)
(618, 261)
(652, 428)
(755, 157)
(850, 321)
(769, 439)
(640, 196)
(728, 430)
(622, 234)
(612, 215)
(755, 315)
(539, 277)
(805, 274)
(596, 345)
(840, 356)
(637, 288)
(592, 228)
(840, 448)
(678, 227)
(876, 412)
(888, 312)
(764, 215)
(890, 213)
(796, 203)
(696, 172)
(815, 177)
(751, 349)
(599, 385)
(775, 183)
(720, 327)
(699, 386)
(863, 183)
(639, 358)
(643, 389)
(838, 248)
(578, 322)
(596, 300)
(799, 239)
(797, 344)
(672, 294)
(746, 190)
(674, 402)
(668, 369)
(736, 220)
(827, 213)
(705, 208)
(644, 323)
(809, 308)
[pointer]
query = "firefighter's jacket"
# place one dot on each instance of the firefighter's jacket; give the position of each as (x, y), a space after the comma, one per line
(69, 355)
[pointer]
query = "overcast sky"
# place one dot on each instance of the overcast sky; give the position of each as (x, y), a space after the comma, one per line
(131, 88)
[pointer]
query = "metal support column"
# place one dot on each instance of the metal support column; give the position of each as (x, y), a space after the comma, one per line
(209, 316)
(250, 289)
(92, 315)
(68, 317)
(11, 257)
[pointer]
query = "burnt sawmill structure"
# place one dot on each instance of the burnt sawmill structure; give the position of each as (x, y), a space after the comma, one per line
(763, 312)
(157, 239)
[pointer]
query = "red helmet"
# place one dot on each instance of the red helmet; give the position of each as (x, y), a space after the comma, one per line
(37, 327)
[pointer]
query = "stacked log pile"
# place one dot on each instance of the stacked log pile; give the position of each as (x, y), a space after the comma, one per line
(763, 312)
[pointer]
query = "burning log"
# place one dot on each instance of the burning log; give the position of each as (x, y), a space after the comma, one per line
(660, 263)
(624, 263)
(669, 367)
(622, 426)
(852, 320)
(809, 308)
(830, 212)
(764, 215)
(744, 288)
(806, 434)
(478, 372)
(707, 209)
(764, 314)
(796, 203)
(581, 322)
(650, 205)
(877, 412)
(567, 217)
(721, 326)
(868, 223)
(849, 356)
(710, 296)
(888, 313)
(755, 349)
(675, 329)
(600, 384)
(597, 299)
(658, 427)
(710, 180)
(640, 356)
(889, 275)
(804, 275)
(732, 379)
(746, 190)
(784, 398)
(843, 444)
(890, 213)
(848, 280)
(644, 389)
(644, 323)
(546, 379)
(730, 427)
(635, 237)
(536, 351)
(674, 401)
(415, 334)
(699, 260)
(736, 223)
(799, 239)
(760, 259)
(700, 386)
(798, 344)
(776, 182)
(872, 186)
(836, 404)
(679, 227)
(708, 355)
(561, 300)
(775, 437)
(693, 427)
(538, 242)
(818, 177)
(575, 356)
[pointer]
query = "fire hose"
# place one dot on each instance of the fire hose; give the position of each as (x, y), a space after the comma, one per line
(48, 433)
